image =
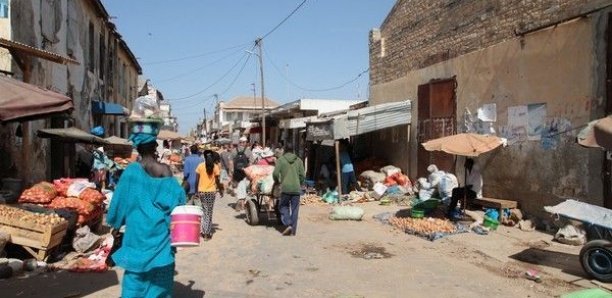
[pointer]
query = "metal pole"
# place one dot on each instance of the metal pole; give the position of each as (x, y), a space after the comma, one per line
(263, 104)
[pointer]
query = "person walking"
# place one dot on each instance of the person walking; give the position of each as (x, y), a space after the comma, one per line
(240, 158)
(348, 172)
(207, 179)
(189, 170)
(142, 202)
(289, 172)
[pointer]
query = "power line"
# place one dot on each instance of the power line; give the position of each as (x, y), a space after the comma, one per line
(211, 85)
(200, 68)
(285, 19)
(236, 77)
(313, 90)
(196, 56)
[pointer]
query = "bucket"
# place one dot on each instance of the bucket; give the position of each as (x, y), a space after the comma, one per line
(490, 223)
(185, 226)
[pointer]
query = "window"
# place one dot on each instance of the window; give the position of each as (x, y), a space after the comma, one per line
(91, 48)
(4, 9)
(102, 55)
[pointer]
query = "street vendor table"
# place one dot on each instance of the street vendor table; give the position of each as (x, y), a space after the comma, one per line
(36, 239)
(496, 203)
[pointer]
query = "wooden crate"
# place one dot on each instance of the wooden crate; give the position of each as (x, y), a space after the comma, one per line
(37, 240)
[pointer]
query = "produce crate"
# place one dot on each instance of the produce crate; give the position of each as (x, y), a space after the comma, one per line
(36, 239)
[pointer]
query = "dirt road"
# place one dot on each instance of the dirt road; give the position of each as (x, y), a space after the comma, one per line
(326, 259)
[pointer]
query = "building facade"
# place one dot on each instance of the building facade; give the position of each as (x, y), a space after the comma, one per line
(533, 72)
(237, 113)
(107, 73)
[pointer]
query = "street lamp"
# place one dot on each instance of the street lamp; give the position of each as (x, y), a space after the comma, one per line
(263, 103)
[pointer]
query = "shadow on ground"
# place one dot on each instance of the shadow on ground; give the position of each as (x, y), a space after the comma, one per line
(187, 291)
(568, 263)
(58, 284)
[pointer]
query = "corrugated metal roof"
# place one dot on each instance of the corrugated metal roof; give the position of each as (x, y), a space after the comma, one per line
(360, 121)
(378, 117)
(24, 48)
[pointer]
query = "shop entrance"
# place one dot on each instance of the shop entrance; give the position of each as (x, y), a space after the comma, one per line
(436, 118)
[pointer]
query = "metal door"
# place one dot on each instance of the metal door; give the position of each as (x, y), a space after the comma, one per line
(436, 118)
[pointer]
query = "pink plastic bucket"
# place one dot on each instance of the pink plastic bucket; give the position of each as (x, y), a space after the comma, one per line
(185, 226)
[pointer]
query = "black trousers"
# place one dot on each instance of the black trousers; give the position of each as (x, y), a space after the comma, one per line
(458, 194)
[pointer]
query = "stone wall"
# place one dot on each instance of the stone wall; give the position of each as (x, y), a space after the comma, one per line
(561, 66)
(419, 33)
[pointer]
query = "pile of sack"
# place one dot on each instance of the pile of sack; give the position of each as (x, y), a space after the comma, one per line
(78, 195)
(261, 178)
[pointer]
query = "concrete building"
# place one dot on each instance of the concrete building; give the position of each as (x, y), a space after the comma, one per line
(237, 113)
(169, 119)
(531, 71)
(102, 85)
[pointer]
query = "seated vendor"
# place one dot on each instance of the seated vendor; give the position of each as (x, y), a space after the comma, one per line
(472, 188)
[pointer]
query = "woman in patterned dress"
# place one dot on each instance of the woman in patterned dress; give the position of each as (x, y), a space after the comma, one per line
(207, 180)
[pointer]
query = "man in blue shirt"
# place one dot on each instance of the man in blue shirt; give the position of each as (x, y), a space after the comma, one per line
(346, 166)
(191, 163)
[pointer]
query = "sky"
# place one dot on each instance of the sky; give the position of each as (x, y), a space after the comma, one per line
(192, 50)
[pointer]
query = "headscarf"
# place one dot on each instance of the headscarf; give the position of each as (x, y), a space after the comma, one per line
(143, 132)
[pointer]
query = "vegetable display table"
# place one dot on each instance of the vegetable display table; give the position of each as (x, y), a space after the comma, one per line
(38, 233)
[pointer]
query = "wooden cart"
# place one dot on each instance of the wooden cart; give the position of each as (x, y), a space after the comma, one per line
(37, 240)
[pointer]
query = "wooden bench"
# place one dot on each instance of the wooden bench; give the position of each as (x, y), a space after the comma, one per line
(496, 203)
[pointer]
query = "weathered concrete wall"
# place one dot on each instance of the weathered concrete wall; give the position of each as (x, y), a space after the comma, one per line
(62, 27)
(559, 66)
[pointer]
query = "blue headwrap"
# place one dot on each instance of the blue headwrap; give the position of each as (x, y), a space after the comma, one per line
(144, 132)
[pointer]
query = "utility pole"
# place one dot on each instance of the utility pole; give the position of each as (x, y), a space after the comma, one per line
(258, 42)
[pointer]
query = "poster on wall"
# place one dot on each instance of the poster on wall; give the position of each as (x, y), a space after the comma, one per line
(488, 112)
(517, 124)
(537, 120)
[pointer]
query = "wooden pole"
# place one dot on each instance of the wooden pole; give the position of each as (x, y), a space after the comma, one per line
(26, 145)
(338, 172)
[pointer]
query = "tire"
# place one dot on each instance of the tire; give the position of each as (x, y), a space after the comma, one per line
(596, 260)
(252, 212)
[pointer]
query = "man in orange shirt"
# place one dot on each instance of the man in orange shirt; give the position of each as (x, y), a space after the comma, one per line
(207, 180)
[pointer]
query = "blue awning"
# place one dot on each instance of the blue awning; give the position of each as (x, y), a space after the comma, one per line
(107, 108)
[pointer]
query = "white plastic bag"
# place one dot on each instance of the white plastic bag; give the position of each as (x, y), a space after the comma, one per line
(571, 235)
(379, 190)
(346, 213)
(76, 188)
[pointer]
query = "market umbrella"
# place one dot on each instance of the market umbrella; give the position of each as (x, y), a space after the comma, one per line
(464, 144)
(165, 134)
(118, 141)
(22, 101)
(71, 134)
(597, 134)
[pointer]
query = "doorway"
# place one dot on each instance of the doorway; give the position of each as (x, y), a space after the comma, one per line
(436, 118)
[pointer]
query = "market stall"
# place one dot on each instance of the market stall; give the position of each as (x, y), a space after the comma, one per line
(47, 212)
(336, 127)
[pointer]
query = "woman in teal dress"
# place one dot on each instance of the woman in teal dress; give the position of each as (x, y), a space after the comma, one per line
(142, 202)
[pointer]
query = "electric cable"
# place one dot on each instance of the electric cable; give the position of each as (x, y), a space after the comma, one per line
(308, 89)
(214, 83)
(196, 56)
(284, 20)
(199, 68)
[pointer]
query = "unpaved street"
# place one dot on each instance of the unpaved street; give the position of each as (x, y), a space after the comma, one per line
(326, 259)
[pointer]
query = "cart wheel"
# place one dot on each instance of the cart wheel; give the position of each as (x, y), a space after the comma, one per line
(596, 260)
(252, 212)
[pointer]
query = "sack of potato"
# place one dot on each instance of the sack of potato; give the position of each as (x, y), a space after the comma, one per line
(41, 193)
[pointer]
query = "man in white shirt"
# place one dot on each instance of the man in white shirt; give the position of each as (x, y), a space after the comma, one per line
(472, 188)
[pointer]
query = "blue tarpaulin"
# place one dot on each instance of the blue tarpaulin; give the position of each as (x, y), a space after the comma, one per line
(107, 108)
